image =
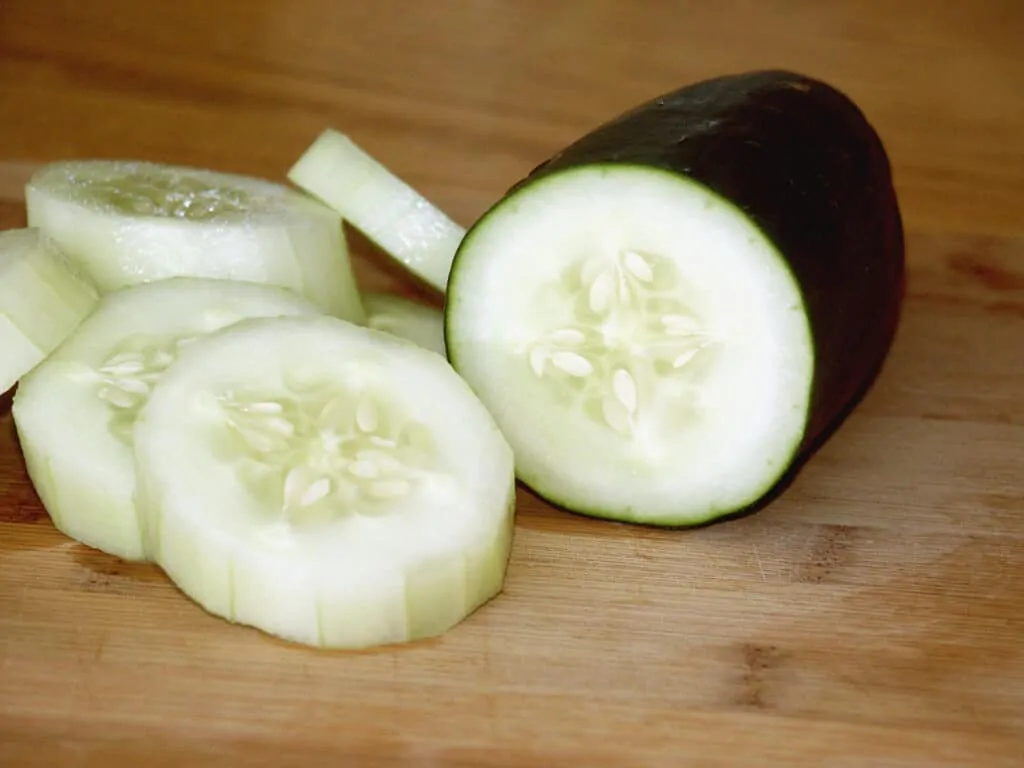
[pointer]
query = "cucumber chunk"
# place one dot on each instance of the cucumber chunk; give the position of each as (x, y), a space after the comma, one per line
(128, 222)
(325, 483)
(408, 319)
(74, 412)
(389, 212)
(43, 298)
(669, 316)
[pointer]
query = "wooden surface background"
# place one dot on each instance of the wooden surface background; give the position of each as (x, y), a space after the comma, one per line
(873, 616)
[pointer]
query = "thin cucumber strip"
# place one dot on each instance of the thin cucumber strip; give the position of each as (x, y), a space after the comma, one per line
(128, 222)
(43, 298)
(407, 319)
(325, 483)
(74, 412)
(388, 211)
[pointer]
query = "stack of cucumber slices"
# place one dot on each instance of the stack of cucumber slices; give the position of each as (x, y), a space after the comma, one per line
(201, 385)
(658, 325)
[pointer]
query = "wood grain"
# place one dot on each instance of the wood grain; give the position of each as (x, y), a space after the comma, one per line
(872, 616)
(462, 96)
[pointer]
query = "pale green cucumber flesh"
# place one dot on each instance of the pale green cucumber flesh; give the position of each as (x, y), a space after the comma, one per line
(409, 319)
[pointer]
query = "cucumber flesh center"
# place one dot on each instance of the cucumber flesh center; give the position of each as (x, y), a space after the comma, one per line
(629, 335)
(321, 454)
(641, 343)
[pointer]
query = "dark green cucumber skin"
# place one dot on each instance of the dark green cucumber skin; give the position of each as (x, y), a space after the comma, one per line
(800, 159)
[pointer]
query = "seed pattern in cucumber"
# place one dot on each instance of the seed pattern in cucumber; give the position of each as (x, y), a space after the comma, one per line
(127, 376)
(629, 328)
(346, 452)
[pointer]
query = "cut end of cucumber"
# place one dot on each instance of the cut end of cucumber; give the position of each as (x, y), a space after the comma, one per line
(128, 222)
(43, 298)
(389, 212)
(641, 343)
(302, 476)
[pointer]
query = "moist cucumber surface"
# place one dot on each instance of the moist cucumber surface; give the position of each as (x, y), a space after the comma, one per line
(128, 222)
(385, 208)
(74, 413)
(326, 483)
(671, 314)
(43, 298)
(406, 318)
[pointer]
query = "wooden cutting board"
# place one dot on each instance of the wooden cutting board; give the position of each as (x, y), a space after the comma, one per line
(872, 616)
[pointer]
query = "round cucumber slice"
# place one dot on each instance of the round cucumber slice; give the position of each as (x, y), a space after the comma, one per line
(74, 412)
(43, 298)
(128, 222)
(325, 483)
(393, 215)
(411, 320)
(641, 343)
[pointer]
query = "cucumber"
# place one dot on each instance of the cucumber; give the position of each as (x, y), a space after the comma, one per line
(670, 316)
(385, 208)
(411, 320)
(129, 222)
(325, 483)
(43, 298)
(74, 412)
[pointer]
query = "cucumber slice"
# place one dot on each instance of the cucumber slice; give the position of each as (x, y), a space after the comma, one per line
(43, 298)
(128, 222)
(408, 319)
(388, 211)
(669, 316)
(324, 482)
(74, 412)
